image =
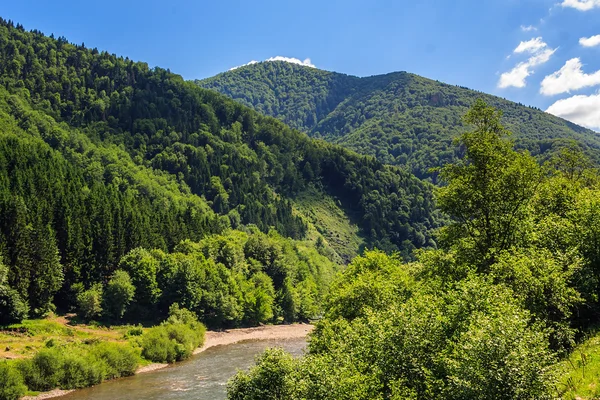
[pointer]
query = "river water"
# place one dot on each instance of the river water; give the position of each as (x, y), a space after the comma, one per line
(202, 377)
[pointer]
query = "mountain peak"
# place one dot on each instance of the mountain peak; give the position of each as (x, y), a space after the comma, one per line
(291, 60)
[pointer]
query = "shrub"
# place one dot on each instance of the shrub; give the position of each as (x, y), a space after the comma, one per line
(11, 382)
(43, 371)
(120, 360)
(268, 380)
(80, 369)
(175, 339)
(135, 331)
(157, 347)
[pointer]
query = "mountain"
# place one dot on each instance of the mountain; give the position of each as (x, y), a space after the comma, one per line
(399, 118)
(101, 155)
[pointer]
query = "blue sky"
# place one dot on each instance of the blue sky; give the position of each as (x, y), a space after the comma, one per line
(529, 51)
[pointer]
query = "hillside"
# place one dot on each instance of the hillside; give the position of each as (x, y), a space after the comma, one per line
(101, 155)
(399, 118)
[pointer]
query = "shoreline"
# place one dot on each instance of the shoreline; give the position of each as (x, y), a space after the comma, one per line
(214, 339)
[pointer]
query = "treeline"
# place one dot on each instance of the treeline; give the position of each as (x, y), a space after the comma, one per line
(399, 118)
(228, 280)
(487, 315)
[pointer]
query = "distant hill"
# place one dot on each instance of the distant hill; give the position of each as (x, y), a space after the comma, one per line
(399, 118)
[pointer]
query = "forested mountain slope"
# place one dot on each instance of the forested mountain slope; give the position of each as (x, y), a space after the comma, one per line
(101, 154)
(400, 118)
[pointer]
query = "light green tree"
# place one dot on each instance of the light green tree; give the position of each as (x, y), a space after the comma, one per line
(117, 295)
(488, 192)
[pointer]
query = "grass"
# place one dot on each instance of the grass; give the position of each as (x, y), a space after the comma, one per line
(27, 338)
(327, 219)
(579, 374)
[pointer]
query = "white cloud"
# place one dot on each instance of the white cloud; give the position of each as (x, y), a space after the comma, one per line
(531, 46)
(540, 54)
(582, 110)
(569, 77)
(243, 65)
(529, 28)
(590, 42)
(306, 62)
(582, 5)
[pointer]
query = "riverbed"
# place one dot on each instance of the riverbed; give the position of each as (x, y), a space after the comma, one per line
(202, 377)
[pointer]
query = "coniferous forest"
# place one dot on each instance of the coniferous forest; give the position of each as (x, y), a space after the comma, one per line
(450, 259)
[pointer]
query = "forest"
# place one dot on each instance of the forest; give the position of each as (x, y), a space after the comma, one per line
(399, 118)
(103, 156)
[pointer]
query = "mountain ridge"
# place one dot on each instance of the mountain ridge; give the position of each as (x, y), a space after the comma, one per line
(399, 117)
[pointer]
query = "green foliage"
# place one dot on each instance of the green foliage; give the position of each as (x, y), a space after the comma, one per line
(117, 295)
(143, 268)
(89, 302)
(578, 373)
(11, 382)
(12, 307)
(269, 381)
(43, 372)
(78, 366)
(488, 192)
(483, 317)
(238, 277)
(175, 339)
(399, 118)
(368, 284)
(471, 341)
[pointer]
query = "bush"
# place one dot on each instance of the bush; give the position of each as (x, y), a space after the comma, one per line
(175, 339)
(43, 371)
(78, 367)
(120, 360)
(157, 347)
(11, 382)
(268, 380)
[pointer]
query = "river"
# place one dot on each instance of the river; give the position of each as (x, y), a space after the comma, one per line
(202, 377)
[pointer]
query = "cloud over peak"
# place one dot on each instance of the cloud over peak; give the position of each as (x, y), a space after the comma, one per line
(540, 54)
(569, 77)
(581, 5)
(291, 60)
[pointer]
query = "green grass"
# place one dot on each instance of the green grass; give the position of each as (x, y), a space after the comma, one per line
(579, 374)
(327, 219)
(27, 338)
